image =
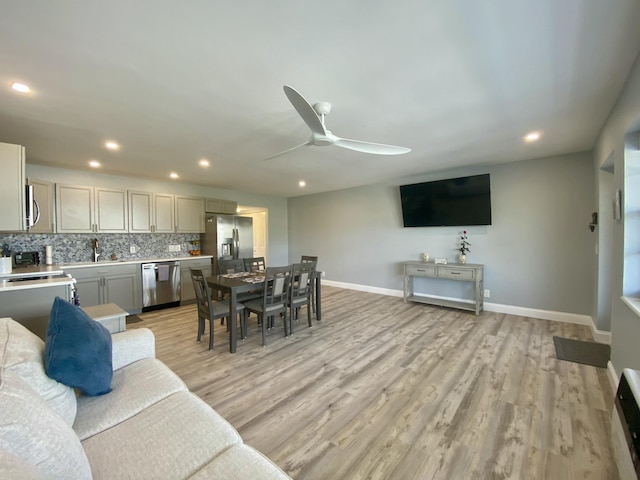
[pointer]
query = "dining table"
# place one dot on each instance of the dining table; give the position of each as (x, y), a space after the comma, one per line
(243, 282)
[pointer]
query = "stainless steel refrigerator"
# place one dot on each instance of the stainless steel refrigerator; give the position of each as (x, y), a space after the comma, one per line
(227, 237)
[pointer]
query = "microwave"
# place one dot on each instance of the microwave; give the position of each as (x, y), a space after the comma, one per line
(32, 214)
(25, 259)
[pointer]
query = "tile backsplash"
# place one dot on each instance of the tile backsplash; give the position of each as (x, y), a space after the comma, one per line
(71, 248)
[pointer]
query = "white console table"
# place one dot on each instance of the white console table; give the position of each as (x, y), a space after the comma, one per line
(461, 272)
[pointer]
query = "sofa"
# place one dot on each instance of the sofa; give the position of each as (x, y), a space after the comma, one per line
(149, 426)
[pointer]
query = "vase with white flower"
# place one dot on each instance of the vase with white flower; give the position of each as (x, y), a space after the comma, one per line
(464, 247)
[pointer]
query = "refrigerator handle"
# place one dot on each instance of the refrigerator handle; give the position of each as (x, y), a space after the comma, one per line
(236, 243)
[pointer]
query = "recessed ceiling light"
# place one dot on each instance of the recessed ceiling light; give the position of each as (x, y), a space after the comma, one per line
(94, 163)
(173, 175)
(302, 183)
(20, 87)
(111, 145)
(203, 162)
(532, 136)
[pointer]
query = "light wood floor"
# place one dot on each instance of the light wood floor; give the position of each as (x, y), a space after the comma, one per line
(387, 390)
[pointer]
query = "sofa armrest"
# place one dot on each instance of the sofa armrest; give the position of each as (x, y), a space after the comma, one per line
(132, 345)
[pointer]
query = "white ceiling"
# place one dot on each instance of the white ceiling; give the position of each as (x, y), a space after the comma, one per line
(459, 82)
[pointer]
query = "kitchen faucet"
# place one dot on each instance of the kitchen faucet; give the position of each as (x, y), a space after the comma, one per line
(94, 245)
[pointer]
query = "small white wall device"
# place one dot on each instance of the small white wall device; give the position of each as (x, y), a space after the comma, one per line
(440, 261)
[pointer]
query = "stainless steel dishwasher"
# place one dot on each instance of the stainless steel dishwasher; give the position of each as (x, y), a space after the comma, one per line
(160, 285)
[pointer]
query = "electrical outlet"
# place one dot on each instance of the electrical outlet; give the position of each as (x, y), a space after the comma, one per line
(132, 249)
(324, 274)
(487, 293)
(174, 248)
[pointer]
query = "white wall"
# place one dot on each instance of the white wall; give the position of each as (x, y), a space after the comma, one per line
(538, 253)
(625, 324)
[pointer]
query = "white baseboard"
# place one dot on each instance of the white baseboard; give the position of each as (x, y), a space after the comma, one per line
(612, 375)
(599, 336)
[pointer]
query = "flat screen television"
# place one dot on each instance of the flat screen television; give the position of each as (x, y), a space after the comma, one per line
(463, 201)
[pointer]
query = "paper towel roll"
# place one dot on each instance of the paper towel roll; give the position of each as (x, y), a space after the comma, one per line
(48, 254)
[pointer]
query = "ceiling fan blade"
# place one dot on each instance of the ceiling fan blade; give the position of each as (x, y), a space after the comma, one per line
(287, 151)
(368, 147)
(305, 110)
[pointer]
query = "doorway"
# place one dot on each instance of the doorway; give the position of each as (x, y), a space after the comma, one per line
(260, 229)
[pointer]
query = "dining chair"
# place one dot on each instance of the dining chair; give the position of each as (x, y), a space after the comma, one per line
(209, 309)
(255, 264)
(314, 260)
(231, 266)
(274, 299)
(300, 288)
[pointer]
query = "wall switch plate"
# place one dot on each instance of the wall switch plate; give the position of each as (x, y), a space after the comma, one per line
(487, 293)
(440, 261)
(174, 248)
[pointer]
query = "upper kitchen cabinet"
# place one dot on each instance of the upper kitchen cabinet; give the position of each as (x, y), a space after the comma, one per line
(217, 205)
(43, 195)
(151, 212)
(12, 188)
(189, 214)
(81, 209)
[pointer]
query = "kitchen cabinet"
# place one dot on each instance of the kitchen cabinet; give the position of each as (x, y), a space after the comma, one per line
(43, 195)
(189, 214)
(217, 205)
(83, 209)
(12, 191)
(187, 293)
(151, 212)
(109, 283)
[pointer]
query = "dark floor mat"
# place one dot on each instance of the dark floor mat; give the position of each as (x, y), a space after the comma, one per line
(133, 319)
(589, 353)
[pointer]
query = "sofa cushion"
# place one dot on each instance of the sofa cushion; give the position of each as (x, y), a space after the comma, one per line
(78, 349)
(31, 432)
(12, 466)
(173, 438)
(240, 461)
(21, 352)
(134, 388)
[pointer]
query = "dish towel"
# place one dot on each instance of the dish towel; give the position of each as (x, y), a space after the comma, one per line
(163, 273)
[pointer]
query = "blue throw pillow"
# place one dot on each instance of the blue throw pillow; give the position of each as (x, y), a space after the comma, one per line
(77, 350)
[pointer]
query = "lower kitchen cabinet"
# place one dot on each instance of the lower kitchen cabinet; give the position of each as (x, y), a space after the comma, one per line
(110, 283)
(187, 293)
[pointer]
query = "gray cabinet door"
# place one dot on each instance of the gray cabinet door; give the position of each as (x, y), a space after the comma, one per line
(89, 291)
(12, 181)
(187, 293)
(189, 214)
(74, 209)
(123, 290)
(163, 213)
(111, 210)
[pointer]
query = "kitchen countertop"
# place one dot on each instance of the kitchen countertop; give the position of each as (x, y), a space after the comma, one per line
(32, 271)
(102, 263)
(11, 286)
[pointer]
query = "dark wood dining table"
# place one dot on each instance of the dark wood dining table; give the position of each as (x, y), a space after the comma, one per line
(233, 285)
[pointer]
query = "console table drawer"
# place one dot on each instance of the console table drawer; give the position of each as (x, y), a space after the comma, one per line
(455, 273)
(420, 271)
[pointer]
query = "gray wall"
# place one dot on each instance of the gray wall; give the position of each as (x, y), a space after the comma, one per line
(277, 206)
(538, 253)
(625, 324)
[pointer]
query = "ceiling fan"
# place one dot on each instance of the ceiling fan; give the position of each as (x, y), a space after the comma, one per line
(314, 115)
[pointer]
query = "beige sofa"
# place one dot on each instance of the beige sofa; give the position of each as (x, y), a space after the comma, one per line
(148, 427)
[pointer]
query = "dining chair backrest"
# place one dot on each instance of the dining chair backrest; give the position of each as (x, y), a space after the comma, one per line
(300, 285)
(203, 292)
(255, 264)
(276, 286)
(230, 266)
